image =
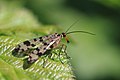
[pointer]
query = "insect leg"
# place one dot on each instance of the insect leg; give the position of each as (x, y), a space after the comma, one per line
(65, 47)
(59, 54)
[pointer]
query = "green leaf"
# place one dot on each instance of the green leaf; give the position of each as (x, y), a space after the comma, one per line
(17, 24)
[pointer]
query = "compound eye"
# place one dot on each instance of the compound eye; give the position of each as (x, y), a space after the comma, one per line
(64, 35)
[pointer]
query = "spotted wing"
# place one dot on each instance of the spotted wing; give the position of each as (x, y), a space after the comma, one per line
(25, 46)
(40, 50)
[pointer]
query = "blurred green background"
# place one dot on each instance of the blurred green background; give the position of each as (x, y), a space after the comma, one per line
(93, 57)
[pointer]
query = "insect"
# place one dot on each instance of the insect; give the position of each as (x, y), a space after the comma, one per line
(37, 47)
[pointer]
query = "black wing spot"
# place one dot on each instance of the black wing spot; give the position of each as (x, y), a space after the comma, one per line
(22, 50)
(45, 43)
(40, 39)
(35, 39)
(32, 45)
(27, 43)
(39, 54)
(28, 48)
(30, 57)
(37, 49)
(44, 48)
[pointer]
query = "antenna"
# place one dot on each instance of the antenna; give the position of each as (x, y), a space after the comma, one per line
(81, 32)
(72, 25)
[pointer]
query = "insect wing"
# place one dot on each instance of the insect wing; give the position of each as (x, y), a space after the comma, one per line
(23, 48)
(37, 52)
